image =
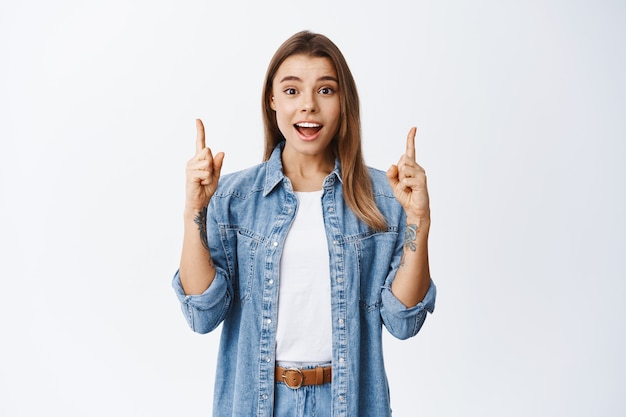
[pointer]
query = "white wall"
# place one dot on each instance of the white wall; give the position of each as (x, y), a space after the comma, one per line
(521, 115)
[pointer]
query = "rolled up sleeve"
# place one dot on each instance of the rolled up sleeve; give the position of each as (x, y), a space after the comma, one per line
(404, 322)
(204, 312)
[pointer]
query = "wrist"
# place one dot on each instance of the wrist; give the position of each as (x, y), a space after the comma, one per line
(422, 221)
(192, 212)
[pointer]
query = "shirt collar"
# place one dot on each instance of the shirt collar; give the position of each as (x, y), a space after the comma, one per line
(274, 170)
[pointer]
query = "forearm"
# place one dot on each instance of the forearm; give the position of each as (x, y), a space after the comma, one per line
(412, 278)
(197, 270)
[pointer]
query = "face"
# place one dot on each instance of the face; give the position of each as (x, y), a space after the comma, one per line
(305, 98)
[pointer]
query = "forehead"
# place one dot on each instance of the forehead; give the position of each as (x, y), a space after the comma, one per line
(305, 67)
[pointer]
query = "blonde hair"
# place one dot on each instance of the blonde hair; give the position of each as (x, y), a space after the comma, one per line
(346, 146)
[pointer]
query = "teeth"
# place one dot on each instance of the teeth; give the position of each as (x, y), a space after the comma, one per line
(307, 124)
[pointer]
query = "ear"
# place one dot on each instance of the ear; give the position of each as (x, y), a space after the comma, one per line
(272, 105)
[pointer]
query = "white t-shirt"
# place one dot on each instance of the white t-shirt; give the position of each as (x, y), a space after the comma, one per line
(304, 328)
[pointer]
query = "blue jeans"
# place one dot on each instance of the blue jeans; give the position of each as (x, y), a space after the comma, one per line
(306, 401)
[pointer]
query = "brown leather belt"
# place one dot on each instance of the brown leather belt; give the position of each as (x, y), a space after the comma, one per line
(295, 378)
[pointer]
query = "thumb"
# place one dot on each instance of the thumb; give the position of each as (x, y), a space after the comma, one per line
(392, 176)
(217, 163)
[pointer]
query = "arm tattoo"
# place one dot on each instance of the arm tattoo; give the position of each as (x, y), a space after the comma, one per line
(200, 221)
(410, 235)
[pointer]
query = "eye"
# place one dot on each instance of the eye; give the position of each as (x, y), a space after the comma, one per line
(326, 91)
(290, 91)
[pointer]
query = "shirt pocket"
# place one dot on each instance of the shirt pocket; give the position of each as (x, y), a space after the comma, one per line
(374, 255)
(248, 246)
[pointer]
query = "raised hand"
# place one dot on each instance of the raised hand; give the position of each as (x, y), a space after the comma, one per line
(202, 173)
(408, 181)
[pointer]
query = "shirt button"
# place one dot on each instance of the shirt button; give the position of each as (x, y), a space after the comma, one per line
(342, 398)
(335, 242)
(340, 280)
(275, 244)
(341, 360)
(265, 396)
(340, 321)
(289, 210)
(268, 321)
(271, 281)
(268, 359)
(331, 209)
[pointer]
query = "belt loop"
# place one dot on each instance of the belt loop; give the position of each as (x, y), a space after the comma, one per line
(319, 375)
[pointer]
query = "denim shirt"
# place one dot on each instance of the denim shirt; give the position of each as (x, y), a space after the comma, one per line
(248, 219)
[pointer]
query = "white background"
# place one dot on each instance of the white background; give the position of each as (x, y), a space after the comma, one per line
(521, 112)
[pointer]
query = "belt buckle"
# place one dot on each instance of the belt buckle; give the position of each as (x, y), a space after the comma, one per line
(298, 371)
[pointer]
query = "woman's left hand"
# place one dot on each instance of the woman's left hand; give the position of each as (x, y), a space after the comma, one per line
(408, 182)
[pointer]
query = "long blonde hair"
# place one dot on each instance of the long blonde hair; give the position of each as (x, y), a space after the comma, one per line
(346, 145)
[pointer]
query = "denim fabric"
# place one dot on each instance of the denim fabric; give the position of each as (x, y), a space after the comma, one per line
(248, 219)
(308, 401)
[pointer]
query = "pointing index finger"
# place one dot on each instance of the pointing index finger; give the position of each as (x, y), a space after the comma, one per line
(200, 144)
(410, 143)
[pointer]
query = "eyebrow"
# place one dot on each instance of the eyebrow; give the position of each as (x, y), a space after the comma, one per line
(324, 78)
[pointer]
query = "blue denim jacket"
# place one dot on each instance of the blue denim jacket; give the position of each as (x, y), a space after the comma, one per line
(248, 219)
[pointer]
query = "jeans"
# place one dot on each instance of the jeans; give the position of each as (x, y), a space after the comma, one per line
(307, 401)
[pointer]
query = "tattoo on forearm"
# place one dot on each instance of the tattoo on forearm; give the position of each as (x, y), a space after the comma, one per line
(410, 235)
(200, 221)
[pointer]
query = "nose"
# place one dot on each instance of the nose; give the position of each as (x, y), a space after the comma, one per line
(309, 104)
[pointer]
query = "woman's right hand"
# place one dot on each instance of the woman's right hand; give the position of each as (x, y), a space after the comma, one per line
(202, 173)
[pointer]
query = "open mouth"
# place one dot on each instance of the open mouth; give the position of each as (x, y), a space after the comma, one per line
(308, 129)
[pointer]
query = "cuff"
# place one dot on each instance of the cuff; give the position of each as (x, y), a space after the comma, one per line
(210, 298)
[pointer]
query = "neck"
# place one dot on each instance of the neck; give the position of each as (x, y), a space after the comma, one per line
(307, 173)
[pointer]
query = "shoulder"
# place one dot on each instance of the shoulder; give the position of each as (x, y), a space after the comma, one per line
(380, 184)
(242, 183)
(384, 197)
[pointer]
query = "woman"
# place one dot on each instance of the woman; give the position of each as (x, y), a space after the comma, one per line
(304, 257)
